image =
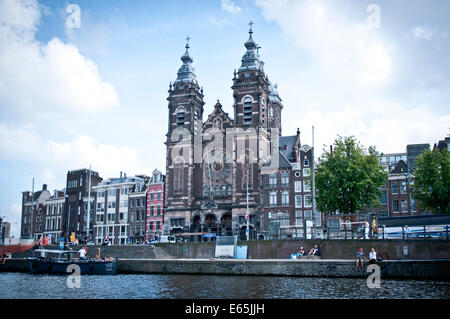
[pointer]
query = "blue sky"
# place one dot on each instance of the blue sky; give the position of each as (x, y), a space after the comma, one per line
(96, 95)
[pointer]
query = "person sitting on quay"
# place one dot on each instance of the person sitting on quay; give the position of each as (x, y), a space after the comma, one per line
(372, 256)
(314, 251)
(360, 258)
(301, 252)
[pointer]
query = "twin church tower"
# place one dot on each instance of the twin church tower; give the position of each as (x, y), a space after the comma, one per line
(210, 165)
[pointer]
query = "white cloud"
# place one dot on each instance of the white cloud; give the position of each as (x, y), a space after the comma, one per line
(422, 33)
(230, 7)
(36, 76)
(53, 159)
(347, 86)
(340, 46)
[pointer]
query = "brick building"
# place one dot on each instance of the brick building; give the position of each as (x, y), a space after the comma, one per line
(33, 213)
(54, 215)
(155, 206)
(137, 211)
(77, 190)
(112, 208)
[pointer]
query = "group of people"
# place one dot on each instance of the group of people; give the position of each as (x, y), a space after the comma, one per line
(360, 257)
(315, 251)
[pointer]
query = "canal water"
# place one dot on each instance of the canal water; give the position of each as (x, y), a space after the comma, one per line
(26, 286)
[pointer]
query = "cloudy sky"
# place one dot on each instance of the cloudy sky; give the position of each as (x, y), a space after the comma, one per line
(94, 93)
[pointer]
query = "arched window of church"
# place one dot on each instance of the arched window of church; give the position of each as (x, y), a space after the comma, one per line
(248, 110)
(224, 191)
(180, 116)
(218, 191)
(178, 178)
(206, 191)
(218, 123)
(270, 111)
(247, 173)
(229, 190)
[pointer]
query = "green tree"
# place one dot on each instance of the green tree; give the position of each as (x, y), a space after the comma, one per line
(349, 178)
(431, 180)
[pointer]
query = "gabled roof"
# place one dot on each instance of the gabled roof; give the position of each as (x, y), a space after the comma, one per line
(217, 113)
(400, 167)
(287, 144)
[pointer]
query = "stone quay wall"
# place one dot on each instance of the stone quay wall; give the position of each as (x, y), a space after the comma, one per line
(406, 269)
(330, 249)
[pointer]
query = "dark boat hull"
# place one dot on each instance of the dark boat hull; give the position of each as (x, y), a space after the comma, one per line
(45, 266)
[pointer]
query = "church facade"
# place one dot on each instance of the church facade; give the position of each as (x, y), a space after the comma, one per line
(233, 175)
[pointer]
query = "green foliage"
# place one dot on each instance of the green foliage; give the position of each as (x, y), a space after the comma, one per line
(349, 179)
(431, 180)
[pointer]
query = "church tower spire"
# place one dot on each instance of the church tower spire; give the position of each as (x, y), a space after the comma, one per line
(186, 71)
(251, 59)
(251, 88)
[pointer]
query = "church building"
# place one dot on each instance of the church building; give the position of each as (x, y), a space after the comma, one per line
(233, 175)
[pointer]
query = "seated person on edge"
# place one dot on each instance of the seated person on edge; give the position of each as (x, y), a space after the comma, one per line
(360, 257)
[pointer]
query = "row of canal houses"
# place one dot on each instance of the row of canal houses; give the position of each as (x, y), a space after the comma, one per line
(125, 210)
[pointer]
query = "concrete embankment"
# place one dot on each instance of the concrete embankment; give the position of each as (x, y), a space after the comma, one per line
(404, 269)
(407, 269)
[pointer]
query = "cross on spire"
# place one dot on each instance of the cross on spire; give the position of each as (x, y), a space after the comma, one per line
(251, 25)
(187, 41)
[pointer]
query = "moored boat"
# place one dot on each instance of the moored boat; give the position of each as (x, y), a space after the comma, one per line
(58, 262)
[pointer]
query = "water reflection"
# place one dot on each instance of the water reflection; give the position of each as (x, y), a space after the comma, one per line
(17, 285)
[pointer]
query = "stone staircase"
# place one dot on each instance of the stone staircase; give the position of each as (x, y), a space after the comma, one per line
(161, 253)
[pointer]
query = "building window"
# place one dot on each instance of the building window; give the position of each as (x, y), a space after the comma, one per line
(158, 210)
(404, 206)
(178, 178)
(383, 197)
(283, 219)
(273, 180)
(285, 198)
(273, 199)
(298, 186)
(413, 205)
(180, 117)
(158, 225)
(284, 179)
(403, 187)
(248, 111)
(308, 215)
(306, 171)
(394, 189)
(229, 190)
(308, 202)
(298, 201)
(158, 196)
(306, 186)
(206, 191)
(299, 218)
(317, 219)
(306, 163)
(395, 206)
(152, 196)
